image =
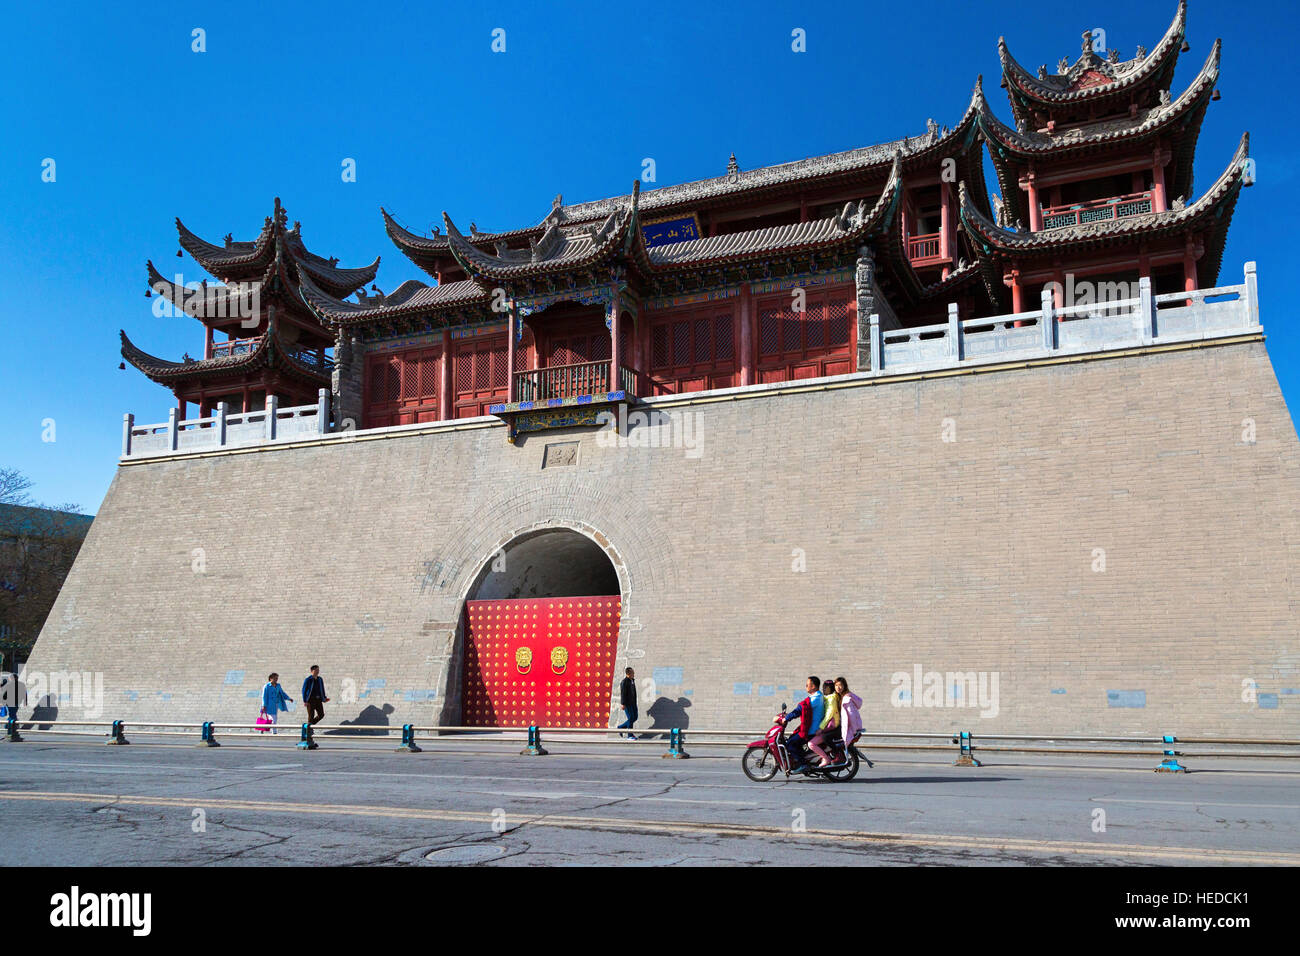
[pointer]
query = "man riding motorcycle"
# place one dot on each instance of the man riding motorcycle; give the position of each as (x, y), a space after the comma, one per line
(810, 710)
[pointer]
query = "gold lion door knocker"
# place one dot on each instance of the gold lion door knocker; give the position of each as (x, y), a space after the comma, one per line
(524, 659)
(559, 659)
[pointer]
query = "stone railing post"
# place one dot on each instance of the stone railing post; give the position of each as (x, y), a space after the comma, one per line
(954, 334)
(876, 350)
(1147, 309)
(128, 423)
(322, 411)
(1252, 295)
(1048, 321)
(221, 423)
(272, 417)
(173, 432)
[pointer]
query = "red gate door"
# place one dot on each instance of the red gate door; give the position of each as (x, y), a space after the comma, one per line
(543, 661)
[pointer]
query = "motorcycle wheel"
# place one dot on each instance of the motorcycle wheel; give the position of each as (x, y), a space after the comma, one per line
(758, 764)
(848, 771)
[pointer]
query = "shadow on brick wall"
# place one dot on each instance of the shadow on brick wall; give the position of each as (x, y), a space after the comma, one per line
(667, 714)
(371, 716)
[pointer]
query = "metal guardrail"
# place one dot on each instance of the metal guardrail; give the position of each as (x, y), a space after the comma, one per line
(1163, 746)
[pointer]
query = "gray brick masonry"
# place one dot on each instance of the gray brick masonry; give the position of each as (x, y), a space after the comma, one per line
(981, 553)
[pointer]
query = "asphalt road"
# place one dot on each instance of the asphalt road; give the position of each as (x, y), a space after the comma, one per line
(81, 803)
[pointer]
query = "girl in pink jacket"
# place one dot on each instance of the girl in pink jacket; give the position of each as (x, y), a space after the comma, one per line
(850, 719)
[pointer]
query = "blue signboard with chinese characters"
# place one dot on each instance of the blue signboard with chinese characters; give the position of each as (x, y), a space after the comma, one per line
(670, 231)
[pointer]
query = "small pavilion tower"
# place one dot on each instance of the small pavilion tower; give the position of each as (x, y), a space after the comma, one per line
(261, 338)
(1096, 174)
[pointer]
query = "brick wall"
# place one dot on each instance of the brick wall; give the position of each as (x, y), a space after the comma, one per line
(975, 554)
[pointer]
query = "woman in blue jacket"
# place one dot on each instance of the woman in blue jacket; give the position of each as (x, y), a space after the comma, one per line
(274, 699)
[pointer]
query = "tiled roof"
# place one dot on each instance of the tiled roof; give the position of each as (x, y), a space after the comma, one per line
(216, 298)
(1147, 121)
(409, 298)
(1215, 207)
(880, 156)
(731, 184)
(1062, 88)
(558, 249)
(854, 223)
(160, 369)
(247, 260)
(268, 351)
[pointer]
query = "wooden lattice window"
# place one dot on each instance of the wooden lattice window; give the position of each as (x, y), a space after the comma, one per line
(807, 344)
(692, 351)
(402, 387)
(479, 374)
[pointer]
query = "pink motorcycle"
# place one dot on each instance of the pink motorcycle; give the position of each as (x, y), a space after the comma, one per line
(763, 758)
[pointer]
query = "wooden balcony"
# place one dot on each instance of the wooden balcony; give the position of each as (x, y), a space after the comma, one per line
(235, 347)
(1097, 210)
(572, 381)
(923, 247)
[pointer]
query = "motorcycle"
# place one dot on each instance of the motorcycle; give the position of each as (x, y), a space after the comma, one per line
(764, 758)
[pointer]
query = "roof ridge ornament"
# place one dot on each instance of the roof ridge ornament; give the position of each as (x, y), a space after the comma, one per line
(733, 170)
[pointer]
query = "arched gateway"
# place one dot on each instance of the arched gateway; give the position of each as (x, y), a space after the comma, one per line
(541, 634)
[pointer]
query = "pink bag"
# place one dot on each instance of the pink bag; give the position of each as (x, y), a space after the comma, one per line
(264, 723)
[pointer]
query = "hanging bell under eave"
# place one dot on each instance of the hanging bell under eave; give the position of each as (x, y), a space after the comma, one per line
(180, 253)
(148, 294)
(1185, 47)
(1214, 97)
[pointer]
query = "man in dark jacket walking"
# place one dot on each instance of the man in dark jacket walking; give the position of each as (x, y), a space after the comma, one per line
(627, 700)
(313, 695)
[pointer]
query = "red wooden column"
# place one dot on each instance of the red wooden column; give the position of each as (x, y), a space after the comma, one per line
(1030, 183)
(512, 320)
(207, 348)
(444, 378)
(1159, 202)
(1189, 265)
(1011, 278)
(945, 195)
(746, 336)
(616, 340)
(638, 346)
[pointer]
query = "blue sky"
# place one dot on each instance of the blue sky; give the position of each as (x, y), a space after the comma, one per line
(143, 129)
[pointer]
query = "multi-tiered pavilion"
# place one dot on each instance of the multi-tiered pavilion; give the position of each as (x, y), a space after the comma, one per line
(270, 342)
(755, 276)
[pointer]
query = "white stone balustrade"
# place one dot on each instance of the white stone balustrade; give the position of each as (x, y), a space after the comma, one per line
(1093, 327)
(227, 429)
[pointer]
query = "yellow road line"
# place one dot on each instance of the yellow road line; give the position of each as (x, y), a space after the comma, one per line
(683, 827)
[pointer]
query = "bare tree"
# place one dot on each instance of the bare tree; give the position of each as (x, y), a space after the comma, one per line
(13, 487)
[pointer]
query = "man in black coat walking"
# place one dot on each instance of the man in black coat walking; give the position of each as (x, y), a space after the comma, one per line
(313, 695)
(627, 699)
